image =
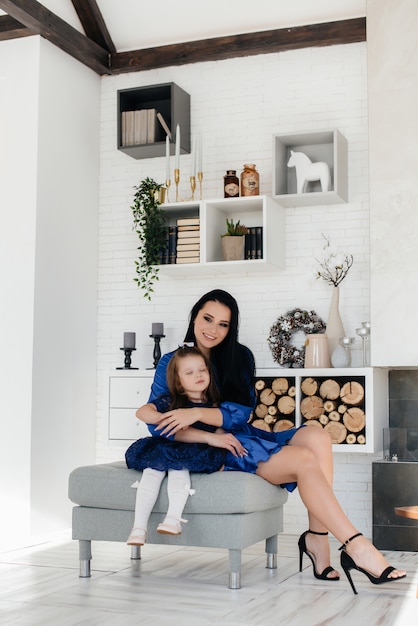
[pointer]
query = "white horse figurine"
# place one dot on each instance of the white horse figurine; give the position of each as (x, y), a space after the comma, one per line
(306, 171)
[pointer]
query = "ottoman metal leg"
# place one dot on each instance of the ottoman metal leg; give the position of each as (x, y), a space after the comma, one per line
(234, 569)
(85, 557)
(135, 553)
(271, 551)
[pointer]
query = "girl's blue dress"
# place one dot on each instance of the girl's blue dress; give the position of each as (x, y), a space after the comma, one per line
(162, 453)
(259, 444)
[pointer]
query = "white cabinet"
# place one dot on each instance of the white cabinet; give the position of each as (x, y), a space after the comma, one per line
(329, 147)
(127, 392)
(252, 211)
(373, 406)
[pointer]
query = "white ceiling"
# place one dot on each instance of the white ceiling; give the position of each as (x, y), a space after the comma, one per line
(136, 24)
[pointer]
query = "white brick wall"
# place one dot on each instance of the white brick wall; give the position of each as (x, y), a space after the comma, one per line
(238, 105)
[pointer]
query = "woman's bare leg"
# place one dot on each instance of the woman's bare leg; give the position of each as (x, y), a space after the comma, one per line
(319, 442)
(300, 464)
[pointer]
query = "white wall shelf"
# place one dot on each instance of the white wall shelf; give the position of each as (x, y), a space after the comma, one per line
(375, 403)
(252, 211)
(329, 146)
(130, 389)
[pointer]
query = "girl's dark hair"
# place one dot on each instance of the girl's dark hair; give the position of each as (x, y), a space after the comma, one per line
(233, 363)
(179, 399)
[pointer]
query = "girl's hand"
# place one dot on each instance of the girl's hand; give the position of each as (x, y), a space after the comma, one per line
(149, 414)
(178, 419)
(227, 441)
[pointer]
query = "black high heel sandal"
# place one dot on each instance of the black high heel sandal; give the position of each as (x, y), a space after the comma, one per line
(303, 550)
(347, 563)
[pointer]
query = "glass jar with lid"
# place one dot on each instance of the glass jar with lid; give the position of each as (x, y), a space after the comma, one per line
(231, 184)
(250, 181)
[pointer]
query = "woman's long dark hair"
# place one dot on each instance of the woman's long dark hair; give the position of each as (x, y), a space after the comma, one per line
(233, 363)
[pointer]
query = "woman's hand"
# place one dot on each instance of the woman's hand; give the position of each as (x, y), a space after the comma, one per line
(227, 441)
(218, 439)
(179, 419)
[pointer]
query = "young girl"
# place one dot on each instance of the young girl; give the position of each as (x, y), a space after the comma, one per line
(189, 384)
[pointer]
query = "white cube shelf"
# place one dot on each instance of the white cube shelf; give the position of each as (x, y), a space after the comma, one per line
(374, 403)
(253, 211)
(329, 146)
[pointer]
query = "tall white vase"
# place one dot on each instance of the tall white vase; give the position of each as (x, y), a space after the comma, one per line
(335, 328)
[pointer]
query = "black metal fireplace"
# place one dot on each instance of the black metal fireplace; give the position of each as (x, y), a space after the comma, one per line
(395, 477)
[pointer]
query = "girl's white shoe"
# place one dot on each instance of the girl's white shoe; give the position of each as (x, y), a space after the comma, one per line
(172, 527)
(137, 537)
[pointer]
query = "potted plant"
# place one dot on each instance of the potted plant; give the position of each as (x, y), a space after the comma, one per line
(149, 224)
(233, 241)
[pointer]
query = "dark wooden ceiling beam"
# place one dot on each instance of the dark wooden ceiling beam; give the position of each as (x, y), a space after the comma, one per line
(93, 23)
(41, 21)
(265, 42)
(27, 17)
(12, 29)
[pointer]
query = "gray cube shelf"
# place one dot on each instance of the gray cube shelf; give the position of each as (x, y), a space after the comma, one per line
(329, 146)
(174, 105)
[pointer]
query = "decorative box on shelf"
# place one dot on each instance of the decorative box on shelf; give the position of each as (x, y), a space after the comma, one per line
(327, 147)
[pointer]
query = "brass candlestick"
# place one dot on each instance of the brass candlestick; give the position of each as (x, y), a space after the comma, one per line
(193, 185)
(167, 184)
(200, 178)
(177, 180)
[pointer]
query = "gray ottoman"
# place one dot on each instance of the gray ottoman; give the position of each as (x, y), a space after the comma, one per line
(230, 510)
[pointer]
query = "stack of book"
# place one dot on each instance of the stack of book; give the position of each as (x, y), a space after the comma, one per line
(139, 126)
(254, 243)
(188, 240)
(169, 248)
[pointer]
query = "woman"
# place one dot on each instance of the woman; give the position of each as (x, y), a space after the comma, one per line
(300, 455)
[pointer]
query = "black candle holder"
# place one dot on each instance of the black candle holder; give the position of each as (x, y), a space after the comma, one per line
(157, 349)
(127, 366)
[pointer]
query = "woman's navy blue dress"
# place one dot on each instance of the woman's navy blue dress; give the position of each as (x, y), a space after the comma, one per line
(260, 444)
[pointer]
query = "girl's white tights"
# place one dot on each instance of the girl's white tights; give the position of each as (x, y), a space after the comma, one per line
(146, 496)
(178, 490)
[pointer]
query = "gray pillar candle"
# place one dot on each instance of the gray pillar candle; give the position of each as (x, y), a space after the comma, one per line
(157, 329)
(129, 341)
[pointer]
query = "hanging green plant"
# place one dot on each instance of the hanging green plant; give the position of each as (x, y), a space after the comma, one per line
(150, 226)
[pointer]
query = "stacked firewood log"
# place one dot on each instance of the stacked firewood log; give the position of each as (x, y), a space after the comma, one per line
(276, 404)
(337, 405)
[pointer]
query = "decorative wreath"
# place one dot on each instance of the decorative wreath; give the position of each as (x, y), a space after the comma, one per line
(281, 333)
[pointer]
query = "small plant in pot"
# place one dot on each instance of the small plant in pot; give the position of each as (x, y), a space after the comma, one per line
(233, 241)
(150, 226)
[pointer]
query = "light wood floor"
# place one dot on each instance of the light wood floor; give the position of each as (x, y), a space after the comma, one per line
(186, 586)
